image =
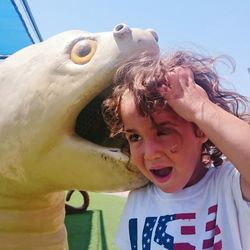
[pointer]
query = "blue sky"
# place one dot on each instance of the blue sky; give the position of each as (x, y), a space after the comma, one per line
(212, 27)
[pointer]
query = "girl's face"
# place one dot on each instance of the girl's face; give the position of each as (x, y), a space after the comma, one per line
(166, 149)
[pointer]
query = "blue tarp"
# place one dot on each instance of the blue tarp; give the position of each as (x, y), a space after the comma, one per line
(17, 27)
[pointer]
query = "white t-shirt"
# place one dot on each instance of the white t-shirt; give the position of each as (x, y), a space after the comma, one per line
(208, 215)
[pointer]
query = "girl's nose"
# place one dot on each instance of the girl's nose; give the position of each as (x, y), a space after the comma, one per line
(153, 150)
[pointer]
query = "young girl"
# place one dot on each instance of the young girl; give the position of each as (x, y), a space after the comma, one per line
(190, 138)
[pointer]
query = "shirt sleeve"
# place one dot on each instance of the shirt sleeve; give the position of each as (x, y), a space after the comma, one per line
(233, 176)
(122, 234)
(230, 176)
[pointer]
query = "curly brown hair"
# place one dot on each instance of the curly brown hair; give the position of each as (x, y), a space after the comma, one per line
(145, 75)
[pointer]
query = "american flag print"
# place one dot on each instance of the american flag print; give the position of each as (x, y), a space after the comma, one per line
(156, 229)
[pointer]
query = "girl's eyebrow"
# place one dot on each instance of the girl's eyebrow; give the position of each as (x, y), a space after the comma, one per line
(161, 124)
(129, 130)
(166, 123)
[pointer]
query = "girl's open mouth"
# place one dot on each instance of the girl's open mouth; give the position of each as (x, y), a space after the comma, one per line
(162, 172)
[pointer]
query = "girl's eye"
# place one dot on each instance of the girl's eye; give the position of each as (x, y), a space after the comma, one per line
(162, 132)
(133, 137)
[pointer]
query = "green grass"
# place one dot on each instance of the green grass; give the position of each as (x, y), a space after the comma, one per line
(94, 229)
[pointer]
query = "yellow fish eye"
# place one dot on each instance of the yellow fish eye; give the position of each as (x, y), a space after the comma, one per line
(83, 51)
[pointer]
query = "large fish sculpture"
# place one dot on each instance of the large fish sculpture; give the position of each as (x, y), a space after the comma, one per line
(51, 133)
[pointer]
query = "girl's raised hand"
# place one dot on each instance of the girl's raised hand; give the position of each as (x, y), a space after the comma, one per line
(185, 97)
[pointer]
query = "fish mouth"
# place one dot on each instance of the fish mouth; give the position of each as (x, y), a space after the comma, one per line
(91, 126)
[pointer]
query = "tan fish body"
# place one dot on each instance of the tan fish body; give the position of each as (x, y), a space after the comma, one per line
(43, 89)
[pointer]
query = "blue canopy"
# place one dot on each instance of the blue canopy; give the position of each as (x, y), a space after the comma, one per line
(17, 27)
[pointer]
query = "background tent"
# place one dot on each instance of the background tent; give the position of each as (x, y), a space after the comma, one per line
(17, 27)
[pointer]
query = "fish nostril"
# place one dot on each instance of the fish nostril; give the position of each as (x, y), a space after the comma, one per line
(154, 34)
(121, 29)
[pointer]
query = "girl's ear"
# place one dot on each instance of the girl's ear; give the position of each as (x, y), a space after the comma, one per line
(200, 134)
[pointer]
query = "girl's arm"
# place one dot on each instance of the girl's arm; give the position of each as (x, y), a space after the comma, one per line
(229, 133)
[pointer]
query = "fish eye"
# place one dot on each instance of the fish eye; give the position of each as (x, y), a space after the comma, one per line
(83, 51)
